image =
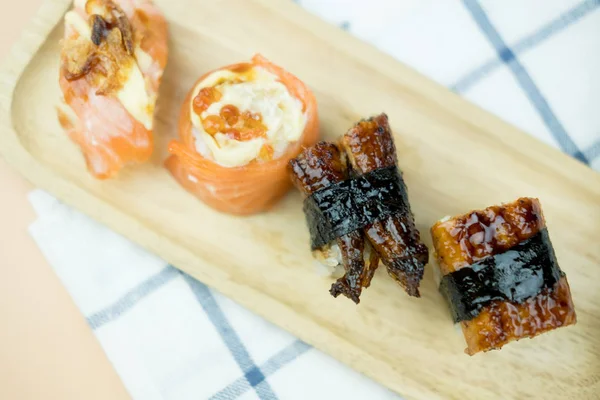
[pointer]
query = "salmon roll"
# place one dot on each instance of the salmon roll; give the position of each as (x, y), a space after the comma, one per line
(113, 55)
(239, 126)
(500, 275)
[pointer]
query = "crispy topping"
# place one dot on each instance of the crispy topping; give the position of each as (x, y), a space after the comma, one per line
(114, 17)
(71, 63)
(99, 29)
(114, 63)
(126, 32)
(105, 59)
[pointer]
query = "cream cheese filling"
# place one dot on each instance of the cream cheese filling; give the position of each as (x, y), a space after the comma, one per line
(259, 92)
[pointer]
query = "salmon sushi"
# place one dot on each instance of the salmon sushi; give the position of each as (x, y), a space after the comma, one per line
(113, 55)
(239, 126)
(500, 275)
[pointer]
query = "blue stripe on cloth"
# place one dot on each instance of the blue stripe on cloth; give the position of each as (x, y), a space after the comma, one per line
(272, 365)
(592, 152)
(568, 18)
(252, 374)
(131, 298)
(531, 91)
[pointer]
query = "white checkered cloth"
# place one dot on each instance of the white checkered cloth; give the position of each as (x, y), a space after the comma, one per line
(533, 63)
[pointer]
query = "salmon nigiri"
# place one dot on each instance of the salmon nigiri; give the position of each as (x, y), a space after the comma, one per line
(113, 56)
(239, 127)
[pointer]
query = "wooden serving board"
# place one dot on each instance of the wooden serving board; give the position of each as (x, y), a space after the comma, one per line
(455, 157)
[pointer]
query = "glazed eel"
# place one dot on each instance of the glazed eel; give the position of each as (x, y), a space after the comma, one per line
(369, 146)
(319, 167)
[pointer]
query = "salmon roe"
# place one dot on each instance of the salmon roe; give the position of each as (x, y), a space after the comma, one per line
(205, 98)
(236, 125)
(213, 124)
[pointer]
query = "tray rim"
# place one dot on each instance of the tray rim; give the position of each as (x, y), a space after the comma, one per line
(21, 160)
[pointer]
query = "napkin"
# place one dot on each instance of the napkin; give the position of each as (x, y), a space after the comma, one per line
(169, 336)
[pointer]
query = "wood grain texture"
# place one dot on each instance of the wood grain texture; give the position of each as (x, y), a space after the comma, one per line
(455, 157)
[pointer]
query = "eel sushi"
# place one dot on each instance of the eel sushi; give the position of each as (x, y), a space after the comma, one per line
(500, 275)
(113, 55)
(317, 168)
(370, 148)
(239, 127)
(356, 207)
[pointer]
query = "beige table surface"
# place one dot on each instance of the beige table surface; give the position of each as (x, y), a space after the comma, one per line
(47, 351)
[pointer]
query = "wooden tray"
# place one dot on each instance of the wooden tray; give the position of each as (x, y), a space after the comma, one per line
(455, 157)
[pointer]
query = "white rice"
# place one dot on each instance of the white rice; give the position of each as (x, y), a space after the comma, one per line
(329, 263)
(329, 260)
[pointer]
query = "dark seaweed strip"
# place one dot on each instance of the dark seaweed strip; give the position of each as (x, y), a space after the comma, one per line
(515, 275)
(354, 203)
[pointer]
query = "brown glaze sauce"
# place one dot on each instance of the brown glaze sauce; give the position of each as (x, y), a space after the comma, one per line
(465, 239)
(502, 322)
(370, 145)
(318, 167)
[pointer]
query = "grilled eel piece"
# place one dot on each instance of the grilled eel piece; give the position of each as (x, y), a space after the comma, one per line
(369, 146)
(469, 238)
(319, 167)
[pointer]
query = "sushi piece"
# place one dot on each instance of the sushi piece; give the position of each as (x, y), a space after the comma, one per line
(500, 274)
(357, 210)
(113, 55)
(370, 147)
(239, 126)
(317, 168)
